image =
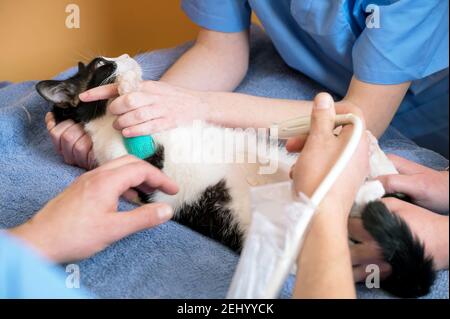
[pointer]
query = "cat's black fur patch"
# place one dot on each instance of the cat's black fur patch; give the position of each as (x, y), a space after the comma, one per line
(64, 94)
(210, 217)
(157, 160)
(412, 270)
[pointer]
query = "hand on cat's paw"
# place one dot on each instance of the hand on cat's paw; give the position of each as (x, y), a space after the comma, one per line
(84, 220)
(72, 142)
(431, 229)
(156, 107)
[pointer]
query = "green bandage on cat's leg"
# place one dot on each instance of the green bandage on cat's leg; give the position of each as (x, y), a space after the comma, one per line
(141, 146)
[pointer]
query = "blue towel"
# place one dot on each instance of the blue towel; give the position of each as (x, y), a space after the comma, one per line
(3, 84)
(169, 261)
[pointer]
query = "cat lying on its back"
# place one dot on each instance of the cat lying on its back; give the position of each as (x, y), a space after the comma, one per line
(214, 196)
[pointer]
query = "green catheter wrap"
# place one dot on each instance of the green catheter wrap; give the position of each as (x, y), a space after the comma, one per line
(141, 146)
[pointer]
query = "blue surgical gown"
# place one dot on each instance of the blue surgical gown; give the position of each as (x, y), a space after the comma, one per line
(25, 275)
(332, 40)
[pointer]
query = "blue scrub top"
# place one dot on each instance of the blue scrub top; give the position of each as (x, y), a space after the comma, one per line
(330, 41)
(24, 275)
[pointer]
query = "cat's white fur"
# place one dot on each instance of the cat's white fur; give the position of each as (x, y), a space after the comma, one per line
(194, 178)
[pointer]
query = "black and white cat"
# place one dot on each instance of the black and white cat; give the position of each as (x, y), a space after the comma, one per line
(214, 195)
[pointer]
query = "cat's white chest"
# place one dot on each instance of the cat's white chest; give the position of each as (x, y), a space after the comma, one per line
(108, 142)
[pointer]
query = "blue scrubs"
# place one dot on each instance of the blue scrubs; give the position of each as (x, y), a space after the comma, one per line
(330, 42)
(24, 275)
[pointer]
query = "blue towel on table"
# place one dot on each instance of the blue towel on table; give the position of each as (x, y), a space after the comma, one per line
(3, 84)
(169, 261)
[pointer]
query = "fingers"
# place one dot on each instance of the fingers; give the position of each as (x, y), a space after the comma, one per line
(138, 173)
(71, 141)
(57, 131)
(364, 254)
(394, 204)
(68, 140)
(119, 162)
(148, 128)
(130, 102)
(357, 231)
(100, 93)
(323, 115)
(405, 166)
(361, 272)
(50, 121)
(126, 162)
(296, 144)
(399, 184)
(141, 218)
(138, 116)
(81, 151)
(92, 162)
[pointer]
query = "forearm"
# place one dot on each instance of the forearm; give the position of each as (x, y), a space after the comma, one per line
(324, 265)
(241, 110)
(216, 62)
(379, 103)
(42, 244)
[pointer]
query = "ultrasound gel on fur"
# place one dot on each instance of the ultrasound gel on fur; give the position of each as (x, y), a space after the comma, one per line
(280, 220)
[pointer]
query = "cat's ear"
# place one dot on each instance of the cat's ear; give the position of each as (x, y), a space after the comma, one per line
(81, 66)
(62, 93)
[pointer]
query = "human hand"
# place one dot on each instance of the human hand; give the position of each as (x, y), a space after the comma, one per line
(365, 252)
(83, 220)
(427, 188)
(319, 154)
(156, 107)
(432, 229)
(72, 142)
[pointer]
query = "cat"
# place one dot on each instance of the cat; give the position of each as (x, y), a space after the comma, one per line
(214, 196)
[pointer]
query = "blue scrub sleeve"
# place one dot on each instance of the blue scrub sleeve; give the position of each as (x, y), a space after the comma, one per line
(411, 43)
(24, 275)
(219, 15)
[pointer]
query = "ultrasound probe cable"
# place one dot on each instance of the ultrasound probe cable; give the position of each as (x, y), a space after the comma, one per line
(302, 126)
(278, 248)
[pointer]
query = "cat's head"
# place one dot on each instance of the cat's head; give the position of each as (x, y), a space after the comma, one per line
(63, 94)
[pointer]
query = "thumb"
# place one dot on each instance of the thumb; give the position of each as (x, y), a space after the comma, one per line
(323, 115)
(141, 218)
